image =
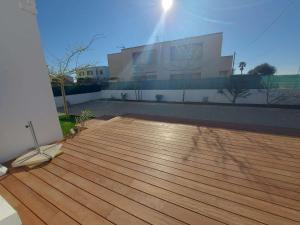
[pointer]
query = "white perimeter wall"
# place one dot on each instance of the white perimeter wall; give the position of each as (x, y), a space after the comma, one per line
(256, 97)
(25, 92)
(77, 99)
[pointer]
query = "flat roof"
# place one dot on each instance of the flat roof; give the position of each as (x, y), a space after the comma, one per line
(163, 42)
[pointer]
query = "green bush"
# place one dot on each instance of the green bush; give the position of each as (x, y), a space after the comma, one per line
(76, 89)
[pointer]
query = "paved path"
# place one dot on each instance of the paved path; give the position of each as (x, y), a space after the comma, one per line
(285, 118)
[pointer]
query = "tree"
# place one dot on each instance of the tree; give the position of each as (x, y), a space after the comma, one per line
(234, 90)
(66, 65)
(271, 90)
(263, 69)
(242, 66)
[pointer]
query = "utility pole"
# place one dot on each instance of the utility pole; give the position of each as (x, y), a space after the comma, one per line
(233, 62)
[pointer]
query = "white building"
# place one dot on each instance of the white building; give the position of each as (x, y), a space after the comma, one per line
(189, 58)
(25, 92)
(98, 73)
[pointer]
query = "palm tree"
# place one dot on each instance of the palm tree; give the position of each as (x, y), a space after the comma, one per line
(242, 66)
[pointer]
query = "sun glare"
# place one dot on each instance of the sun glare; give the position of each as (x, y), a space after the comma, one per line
(167, 5)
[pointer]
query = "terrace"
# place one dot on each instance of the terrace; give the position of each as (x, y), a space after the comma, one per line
(138, 170)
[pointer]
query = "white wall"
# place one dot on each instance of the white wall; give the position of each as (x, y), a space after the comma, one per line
(256, 97)
(76, 99)
(25, 92)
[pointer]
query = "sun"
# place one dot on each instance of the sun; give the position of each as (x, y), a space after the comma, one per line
(167, 4)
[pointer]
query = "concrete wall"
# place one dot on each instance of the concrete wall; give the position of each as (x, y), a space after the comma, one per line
(163, 66)
(210, 95)
(76, 99)
(25, 93)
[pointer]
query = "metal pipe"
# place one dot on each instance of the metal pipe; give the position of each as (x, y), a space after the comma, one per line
(30, 125)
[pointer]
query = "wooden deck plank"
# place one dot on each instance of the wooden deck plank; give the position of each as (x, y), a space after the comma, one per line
(121, 201)
(195, 141)
(208, 134)
(64, 203)
(139, 171)
(203, 140)
(243, 173)
(208, 156)
(197, 193)
(27, 217)
(135, 135)
(236, 164)
(95, 204)
(158, 204)
(180, 199)
(41, 207)
(176, 175)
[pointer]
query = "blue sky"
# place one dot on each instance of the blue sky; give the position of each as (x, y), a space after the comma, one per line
(64, 23)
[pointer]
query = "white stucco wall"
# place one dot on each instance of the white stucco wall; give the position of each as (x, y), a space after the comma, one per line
(212, 95)
(25, 92)
(76, 99)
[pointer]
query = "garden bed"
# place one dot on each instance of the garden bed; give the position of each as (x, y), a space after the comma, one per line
(67, 122)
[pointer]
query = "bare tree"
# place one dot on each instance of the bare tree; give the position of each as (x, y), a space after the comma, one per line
(68, 64)
(272, 91)
(233, 90)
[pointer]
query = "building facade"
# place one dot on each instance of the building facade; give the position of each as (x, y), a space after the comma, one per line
(189, 58)
(97, 73)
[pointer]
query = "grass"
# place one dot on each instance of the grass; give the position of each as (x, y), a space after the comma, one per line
(66, 123)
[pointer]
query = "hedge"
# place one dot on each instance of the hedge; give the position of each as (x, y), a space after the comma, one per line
(245, 81)
(76, 89)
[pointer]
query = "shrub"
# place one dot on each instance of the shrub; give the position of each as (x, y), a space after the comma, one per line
(84, 116)
(159, 98)
(76, 89)
(124, 96)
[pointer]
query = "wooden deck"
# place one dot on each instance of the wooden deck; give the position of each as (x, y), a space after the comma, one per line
(134, 171)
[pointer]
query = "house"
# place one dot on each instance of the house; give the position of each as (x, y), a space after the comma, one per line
(69, 79)
(25, 92)
(189, 58)
(97, 73)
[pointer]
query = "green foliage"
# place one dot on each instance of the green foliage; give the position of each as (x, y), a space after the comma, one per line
(84, 116)
(76, 89)
(86, 81)
(263, 69)
(247, 82)
(67, 122)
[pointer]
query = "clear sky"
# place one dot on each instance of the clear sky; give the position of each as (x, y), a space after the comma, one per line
(257, 30)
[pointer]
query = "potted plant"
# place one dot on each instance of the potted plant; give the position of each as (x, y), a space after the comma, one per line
(124, 96)
(159, 97)
(84, 116)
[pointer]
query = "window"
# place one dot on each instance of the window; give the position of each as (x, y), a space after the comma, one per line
(147, 57)
(90, 73)
(81, 74)
(151, 76)
(187, 51)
